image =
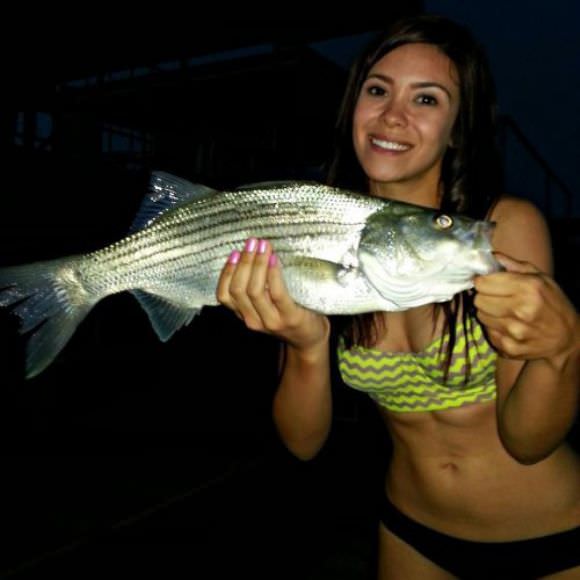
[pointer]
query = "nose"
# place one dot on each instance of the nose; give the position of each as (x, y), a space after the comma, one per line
(394, 114)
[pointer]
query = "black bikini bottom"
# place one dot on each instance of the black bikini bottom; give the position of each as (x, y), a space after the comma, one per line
(515, 560)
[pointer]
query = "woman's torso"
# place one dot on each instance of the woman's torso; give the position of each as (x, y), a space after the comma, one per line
(450, 471)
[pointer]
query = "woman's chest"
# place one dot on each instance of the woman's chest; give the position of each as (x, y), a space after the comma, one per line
(411, 331)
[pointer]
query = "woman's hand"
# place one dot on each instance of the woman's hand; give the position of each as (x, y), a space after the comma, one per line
(526, 314)
(251, 285)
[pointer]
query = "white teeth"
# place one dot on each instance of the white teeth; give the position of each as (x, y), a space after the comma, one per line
(390, 145)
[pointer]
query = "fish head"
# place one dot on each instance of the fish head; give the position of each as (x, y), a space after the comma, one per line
(414, 255)
(448, 242)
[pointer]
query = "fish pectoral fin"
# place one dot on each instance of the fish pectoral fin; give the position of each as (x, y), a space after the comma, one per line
(166, 316)
(303, 272)
(347, 276)
(329, 288)
(311, 269)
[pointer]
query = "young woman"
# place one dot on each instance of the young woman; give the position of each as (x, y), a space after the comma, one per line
(478, 394)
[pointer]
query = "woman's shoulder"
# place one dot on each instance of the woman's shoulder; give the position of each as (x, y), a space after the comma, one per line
(521, 231)
(511, 208)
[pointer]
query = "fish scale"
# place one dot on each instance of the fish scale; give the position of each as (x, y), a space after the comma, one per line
(341, 253)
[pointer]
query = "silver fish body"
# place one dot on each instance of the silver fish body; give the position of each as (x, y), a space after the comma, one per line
(341, 253)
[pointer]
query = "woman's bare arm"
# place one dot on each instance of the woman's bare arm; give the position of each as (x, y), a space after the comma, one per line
(251, 284)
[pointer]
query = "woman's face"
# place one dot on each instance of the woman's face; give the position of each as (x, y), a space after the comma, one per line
(403, 121)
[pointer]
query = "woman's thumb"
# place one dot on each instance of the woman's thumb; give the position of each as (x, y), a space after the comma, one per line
(513, 265)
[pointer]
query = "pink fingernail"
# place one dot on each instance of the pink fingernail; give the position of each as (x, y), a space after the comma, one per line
(234, 257)
(262, 247)
(273, 261)
(251, 245)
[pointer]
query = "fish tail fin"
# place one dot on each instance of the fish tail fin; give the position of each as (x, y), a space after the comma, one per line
(51, 301)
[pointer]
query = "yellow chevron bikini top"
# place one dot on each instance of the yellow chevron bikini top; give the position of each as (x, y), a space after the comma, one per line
(410, 382)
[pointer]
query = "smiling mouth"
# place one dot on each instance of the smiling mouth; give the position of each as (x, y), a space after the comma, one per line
(390, 145)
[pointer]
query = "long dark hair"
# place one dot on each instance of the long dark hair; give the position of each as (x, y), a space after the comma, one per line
(471, 173)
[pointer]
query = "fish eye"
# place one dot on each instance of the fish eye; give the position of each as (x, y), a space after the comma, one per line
(443, 221)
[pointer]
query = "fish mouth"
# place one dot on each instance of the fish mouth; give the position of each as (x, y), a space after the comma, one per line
(486, 262)
(479, 235)
(483, 232)
(477, 238)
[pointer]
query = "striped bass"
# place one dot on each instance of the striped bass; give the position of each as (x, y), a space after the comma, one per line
(341, 253)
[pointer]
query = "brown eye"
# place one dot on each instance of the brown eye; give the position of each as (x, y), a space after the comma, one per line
(443, 221)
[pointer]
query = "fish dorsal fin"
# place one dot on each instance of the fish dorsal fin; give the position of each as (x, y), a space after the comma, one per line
(166, 317)
(166, 191)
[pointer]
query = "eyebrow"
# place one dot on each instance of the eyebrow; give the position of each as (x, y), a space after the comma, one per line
(420, 85)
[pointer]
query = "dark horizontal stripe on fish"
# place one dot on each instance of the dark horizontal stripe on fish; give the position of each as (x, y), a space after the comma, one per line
(156, 253)
(201, 235)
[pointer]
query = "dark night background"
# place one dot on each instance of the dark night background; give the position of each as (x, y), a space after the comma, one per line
(129, 456)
